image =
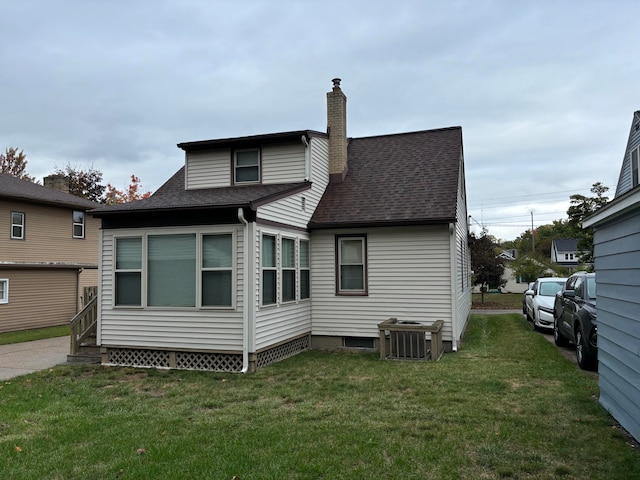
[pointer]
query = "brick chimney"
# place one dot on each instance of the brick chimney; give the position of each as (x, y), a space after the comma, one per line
(337, 131)
(57, 182)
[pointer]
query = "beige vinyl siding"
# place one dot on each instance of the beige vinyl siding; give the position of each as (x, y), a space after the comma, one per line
(280, 322)
(170, 328)
(283, 163)
(38, 298)
(409, 273)
(210, 169)
(48, 235)
(289, 211)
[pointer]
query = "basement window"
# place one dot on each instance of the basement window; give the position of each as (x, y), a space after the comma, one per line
(358, 342)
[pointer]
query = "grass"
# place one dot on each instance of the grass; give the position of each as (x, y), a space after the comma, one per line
(35, 334)
(498, 301)
(507, 405)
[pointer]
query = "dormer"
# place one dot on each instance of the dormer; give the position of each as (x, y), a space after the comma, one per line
(255, 160)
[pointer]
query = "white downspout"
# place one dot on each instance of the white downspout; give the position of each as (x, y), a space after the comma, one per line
(307, 159)
(454, 288)
(245, 292)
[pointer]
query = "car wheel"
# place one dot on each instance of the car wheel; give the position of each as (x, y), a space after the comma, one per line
(559, 340)
(585, 361)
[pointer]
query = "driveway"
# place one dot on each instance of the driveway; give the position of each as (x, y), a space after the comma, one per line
(22, 358)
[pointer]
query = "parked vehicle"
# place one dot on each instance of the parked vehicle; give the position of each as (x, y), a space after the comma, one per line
(539, 301)
(575, 318)
(524, 297)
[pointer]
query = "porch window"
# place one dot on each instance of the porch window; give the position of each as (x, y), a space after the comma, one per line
(305, 284)
(351, 265)
(217, 263)
(171, 272)
(247, 166)
(17, 225)
(268, 269)
(128, 271)
(78, 224)
(288, 263)
(4, 290)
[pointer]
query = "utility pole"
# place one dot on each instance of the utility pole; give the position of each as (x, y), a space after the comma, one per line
(533, 241)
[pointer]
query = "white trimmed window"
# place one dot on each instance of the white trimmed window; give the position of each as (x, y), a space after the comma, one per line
(174, 270)
(269, 269)
(78, 224)
(288, 268)
(246, 166)
(17, 225)
(635, 180)
(4, 290)
(351, 265)
(305, 283)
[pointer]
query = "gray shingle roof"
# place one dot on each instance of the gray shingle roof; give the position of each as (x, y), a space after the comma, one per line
(408, 178)
(22, 190)
(172, 195)
(566, 244)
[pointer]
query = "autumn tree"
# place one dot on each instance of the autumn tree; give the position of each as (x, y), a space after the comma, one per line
(580, 208)
(14, 163)
(487, 265)
(83, 183)
(132, 193)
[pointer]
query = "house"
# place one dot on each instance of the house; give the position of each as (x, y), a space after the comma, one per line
(48, 253)
(616, 241)
(263, 246)
(565, 252)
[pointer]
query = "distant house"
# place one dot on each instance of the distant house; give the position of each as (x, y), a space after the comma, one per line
(48, 252)
(617, 264)
(262, 246)
(565, 252)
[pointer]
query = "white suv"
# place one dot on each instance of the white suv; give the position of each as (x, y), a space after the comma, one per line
(539, 301)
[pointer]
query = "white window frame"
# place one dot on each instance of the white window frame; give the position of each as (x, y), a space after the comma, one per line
(302, 269)
(78, 224)
(199, 234)
(4, 291)
(339, 264)
(116, 271)
(20, 225)
(269, 268)
(284, 269)
(258, 165)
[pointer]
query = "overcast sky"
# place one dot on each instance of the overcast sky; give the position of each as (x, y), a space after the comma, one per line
(544, 91)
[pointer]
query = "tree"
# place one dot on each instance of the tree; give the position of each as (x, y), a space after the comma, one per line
(14, 163)
(581, 207)
(487, 266)
(528, 269)
(85, 184)
(115, 196)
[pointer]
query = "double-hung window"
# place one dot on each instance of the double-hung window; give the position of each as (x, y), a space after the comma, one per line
(78, 224)
(305, 284)
(174, 270)
(4, 290)
(269, 270)
(635, 180)
(351, 265)
(17, 225)
(288, 266)
(246, 166)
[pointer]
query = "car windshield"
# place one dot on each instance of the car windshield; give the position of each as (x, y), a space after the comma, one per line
(549, 289)
(591, 287)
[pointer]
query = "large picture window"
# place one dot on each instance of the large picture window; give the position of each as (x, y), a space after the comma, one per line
(269, 270)
(351, 265)
(174, 270)
(246, 166)
(17, 225)
(4, 290)
(288, 265)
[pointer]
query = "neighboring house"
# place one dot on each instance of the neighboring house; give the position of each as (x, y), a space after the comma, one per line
(616, 241)
(48, 253)
(565, 252)
(263, 246)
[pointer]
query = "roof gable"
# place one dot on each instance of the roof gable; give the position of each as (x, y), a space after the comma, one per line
(408, 178)
(565, 245)
(22, 190)
(625, 181)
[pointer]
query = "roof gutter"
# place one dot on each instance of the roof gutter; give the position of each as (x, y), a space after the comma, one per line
(245, 293)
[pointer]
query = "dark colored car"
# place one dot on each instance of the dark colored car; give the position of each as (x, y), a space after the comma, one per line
(574, 318)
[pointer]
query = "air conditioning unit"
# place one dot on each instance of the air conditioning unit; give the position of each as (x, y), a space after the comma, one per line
(408, 345)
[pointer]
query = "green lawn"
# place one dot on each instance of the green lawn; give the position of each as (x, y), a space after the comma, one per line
(35, 334)
(507, 405)
(498, 301)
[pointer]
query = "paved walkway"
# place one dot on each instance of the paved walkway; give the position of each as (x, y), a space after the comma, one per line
(22, 358)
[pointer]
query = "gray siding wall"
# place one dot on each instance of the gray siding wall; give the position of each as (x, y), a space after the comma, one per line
(617, 262)
(409, 275)
(624, 181)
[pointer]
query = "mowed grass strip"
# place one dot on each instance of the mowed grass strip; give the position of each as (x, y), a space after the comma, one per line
(35, 334)
(507, 405)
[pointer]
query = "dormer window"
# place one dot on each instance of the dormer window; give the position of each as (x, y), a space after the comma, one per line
(246, 166)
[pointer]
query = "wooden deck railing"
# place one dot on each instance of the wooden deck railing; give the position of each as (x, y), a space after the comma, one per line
(84, 325)
(409, 340)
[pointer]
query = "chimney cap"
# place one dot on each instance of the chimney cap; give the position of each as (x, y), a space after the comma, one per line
(336, 82)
